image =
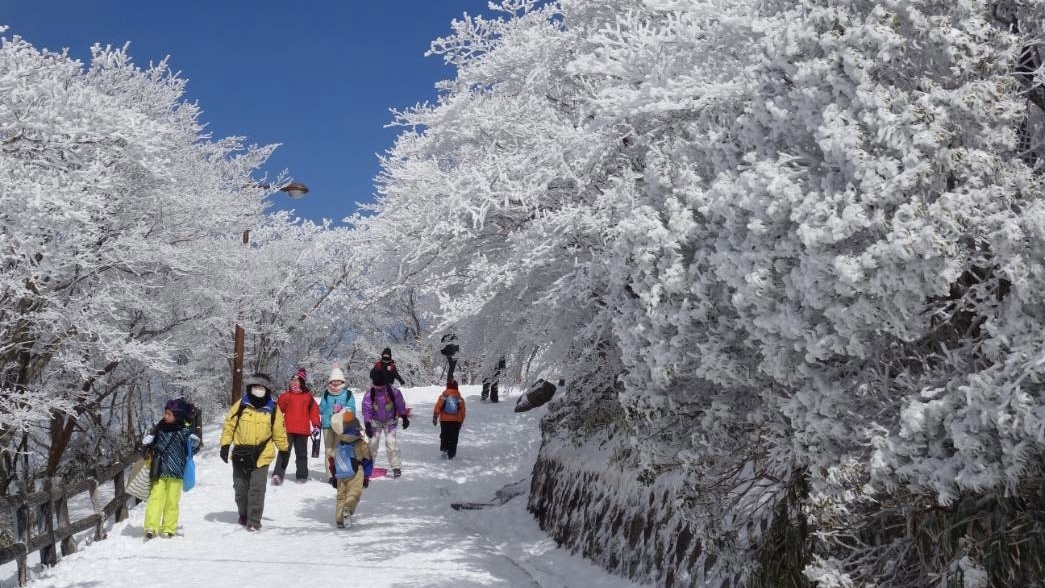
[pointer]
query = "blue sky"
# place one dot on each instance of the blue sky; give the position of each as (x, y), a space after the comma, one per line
(317, 76)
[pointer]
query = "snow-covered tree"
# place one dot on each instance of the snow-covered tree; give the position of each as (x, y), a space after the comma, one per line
(123, 268)
(310, 297)
(793, 243)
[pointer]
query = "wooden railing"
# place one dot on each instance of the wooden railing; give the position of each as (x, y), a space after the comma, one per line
(41, 519)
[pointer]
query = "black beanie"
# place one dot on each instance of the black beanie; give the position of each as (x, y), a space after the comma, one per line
(377, 377)
(386, 351)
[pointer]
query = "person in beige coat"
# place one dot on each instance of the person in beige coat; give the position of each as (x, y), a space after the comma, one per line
(350, 463)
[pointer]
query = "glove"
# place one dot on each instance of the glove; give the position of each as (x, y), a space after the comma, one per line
(147, 439)
(195, 440)
(333, 481)
(315, 434)
(435, 421)
(369, 430)
(406, 423)
(224, 453)
(366, 482)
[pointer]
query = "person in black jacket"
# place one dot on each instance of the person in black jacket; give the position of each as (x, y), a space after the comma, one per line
(490, 383)
(387, 366)
(449, 351)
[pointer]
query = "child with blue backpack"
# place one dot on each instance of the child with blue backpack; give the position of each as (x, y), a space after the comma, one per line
(449, 416)
(171, 443)
(350, 464)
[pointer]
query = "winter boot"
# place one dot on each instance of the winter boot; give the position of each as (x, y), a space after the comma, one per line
(396, 472)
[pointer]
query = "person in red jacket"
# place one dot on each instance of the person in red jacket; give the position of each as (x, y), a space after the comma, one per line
(301, 414)
(449, 415)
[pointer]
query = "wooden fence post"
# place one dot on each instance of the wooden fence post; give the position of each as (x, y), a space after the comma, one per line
(24, 524)
(61, 506)
(40, 519)
(99, 529)
(119, 484)
(48, 553)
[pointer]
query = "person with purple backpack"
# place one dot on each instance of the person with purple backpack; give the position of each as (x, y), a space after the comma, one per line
(383, 406)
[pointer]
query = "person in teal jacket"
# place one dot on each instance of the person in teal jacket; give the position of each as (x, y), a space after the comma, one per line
(336, 398)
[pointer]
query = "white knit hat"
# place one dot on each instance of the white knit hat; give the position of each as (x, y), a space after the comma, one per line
(336, 374)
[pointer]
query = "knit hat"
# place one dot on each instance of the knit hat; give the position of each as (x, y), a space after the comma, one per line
(301, 374)
(451, 384)
(177, 406)
(377, 377)
(350, 423)
(346, 422)
(336, 375)
(386, 353)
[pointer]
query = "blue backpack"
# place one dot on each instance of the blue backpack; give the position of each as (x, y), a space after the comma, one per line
(345, 463)
(451, 404)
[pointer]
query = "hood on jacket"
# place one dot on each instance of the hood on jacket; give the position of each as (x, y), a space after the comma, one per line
(259, 379)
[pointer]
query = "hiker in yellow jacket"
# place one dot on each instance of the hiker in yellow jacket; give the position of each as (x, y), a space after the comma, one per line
(255, 429)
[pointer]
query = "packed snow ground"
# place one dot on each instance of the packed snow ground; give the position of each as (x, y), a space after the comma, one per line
(404, 532)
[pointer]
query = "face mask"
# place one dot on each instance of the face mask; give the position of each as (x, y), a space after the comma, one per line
(258, 391)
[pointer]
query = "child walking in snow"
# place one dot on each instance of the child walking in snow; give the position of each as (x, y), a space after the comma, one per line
(350, 464)
(301, 414)
(169, 442)
(383, 406)
(336, 398)
(449, 416)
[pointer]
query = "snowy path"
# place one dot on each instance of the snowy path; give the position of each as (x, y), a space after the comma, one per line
(405, 533)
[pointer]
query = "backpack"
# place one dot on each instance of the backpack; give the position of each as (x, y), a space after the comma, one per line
(194, 420)
(345, 463)
(451, 404)
(391, 399)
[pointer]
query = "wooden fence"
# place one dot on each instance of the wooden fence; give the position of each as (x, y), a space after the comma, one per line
(41, 519)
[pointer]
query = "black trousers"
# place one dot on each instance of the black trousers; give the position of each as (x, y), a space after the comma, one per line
(449, 431)
(490, 391)
(299, 444)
